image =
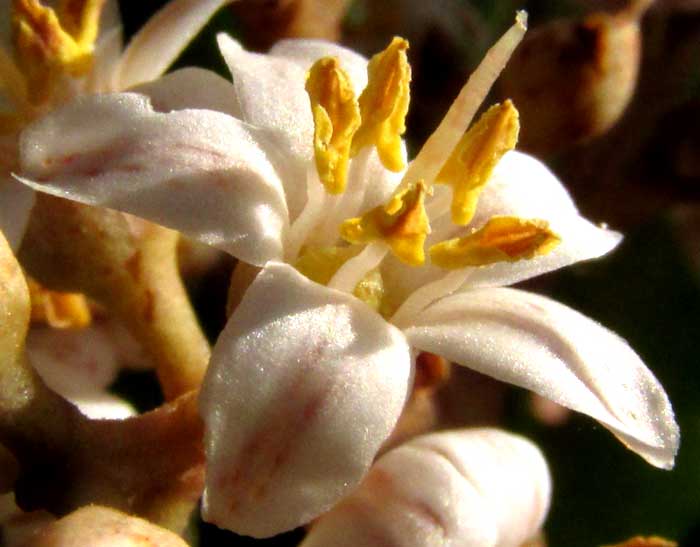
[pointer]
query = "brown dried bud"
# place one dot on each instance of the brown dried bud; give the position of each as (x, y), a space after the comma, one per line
(103, 527)
(266, 21)
(572, 80)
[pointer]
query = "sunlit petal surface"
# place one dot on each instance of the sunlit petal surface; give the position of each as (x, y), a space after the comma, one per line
(537, 343)
(304, 385)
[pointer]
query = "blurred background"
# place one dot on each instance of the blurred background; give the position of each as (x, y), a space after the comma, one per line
(609, 95)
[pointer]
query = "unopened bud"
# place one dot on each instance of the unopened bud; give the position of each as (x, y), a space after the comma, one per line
(572, 80)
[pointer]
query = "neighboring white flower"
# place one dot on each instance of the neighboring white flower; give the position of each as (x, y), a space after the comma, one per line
(49, 55)
(80, 364)
(312, 370)
(470, 488)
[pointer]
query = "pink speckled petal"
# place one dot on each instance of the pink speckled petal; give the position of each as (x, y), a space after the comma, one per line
(271, 95)
(474, 488)
(304, 385)
(537, 343)
(191, 87)
(197, 171)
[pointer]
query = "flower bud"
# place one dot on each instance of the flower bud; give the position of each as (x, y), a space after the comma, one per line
(572, 80)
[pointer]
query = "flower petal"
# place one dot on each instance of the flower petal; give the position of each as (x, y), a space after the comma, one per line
(197, 171)
(524, 187)
(306, 52)
(304, 385)
(110, 17)
(191, 88)
(103, 76)
(270, 92)
(103, 406)
(537, 343)
(73, 361)
(16, 202)
(159, 42)
(477, 488)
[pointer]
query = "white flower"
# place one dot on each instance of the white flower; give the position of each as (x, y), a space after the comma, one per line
(307, 379)
(471, 488)
(49, 55)
(80, 364)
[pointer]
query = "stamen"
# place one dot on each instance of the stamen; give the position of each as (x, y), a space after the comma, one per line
(431, 292)
(469, 167)
(45, 49)
(59, 310)
(348, 269)
(502, 239)
(350, 275)
(350, 202)
(437, 148)
(402, 224)
(307, 220)
(336, 119)
(81, 19)
(384, 104)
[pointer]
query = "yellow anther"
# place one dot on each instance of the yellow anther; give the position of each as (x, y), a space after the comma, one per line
(502, 239)
(470, 165)
(81, 19)
(384, 104)
(50, 45)
(402, 224)
(321, 263)
(336, 118)
(60, 310)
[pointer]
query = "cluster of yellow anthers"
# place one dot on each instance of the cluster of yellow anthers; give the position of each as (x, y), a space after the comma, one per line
(51, 44)
(50, 47)
(345, 124)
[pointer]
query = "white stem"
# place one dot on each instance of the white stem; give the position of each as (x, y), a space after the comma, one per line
(351, 200)
(309, 217)
(421, 298)
(351, 273)
(427, 164)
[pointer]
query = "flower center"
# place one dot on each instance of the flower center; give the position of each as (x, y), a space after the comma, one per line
(52, 44)
(320, 264)
(402, 224)
(460, 158)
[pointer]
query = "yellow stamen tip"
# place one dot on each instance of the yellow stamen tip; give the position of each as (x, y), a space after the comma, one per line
(502, 239)
(59, 310)
(50, 44)
(336, 119)
(81, 19)
(402, 224)
(384, 105)
(472, 161)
